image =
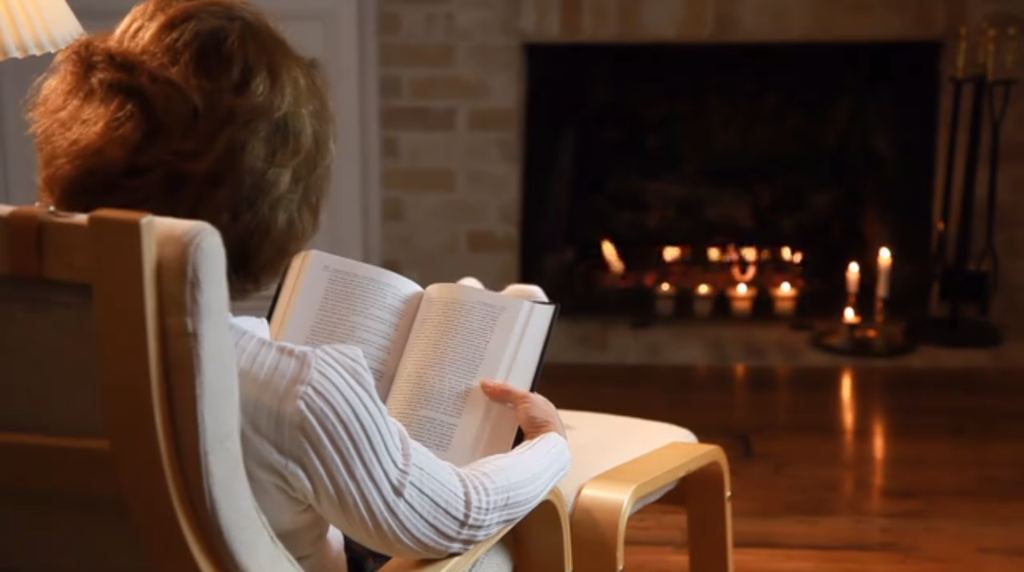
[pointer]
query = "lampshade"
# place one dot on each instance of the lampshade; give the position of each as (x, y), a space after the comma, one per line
(34, 27)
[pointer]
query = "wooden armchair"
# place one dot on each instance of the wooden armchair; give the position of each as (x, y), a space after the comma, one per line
(119, 430)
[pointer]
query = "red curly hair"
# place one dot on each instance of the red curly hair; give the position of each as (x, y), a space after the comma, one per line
(195, 109)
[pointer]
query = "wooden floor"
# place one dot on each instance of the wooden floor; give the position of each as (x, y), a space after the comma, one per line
(878, 469)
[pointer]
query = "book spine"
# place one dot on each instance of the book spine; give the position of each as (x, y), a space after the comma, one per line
(277, 294)
(520, 436)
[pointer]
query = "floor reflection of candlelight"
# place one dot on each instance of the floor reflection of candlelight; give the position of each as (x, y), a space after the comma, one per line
(665, 300)
(703, 301)
(741, 300)
(784, 298)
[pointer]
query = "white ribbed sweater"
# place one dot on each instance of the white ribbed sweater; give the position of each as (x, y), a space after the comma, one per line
(324, 456)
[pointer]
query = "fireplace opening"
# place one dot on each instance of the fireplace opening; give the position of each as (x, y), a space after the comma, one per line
(700, 167)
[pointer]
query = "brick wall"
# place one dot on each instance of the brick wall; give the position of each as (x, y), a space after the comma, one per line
(450, 115)
(452, 95)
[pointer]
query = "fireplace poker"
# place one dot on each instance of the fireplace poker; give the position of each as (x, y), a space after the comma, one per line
(998, 103)
(964, 281)
(958, 79)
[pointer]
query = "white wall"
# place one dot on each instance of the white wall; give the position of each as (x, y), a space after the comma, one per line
(339, 33)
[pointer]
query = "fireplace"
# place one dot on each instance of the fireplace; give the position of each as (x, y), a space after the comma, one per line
(714, 164)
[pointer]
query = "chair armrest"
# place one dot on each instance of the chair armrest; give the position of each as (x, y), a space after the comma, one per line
(605, 502)
(458, 563)
(542, 544)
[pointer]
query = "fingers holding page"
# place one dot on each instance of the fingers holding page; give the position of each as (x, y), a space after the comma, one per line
(502, 392)
(536, 414)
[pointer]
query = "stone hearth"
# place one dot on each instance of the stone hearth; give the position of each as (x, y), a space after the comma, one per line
(452, 88)
(717, 343)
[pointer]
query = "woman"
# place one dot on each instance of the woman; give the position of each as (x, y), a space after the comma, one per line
(199, 109)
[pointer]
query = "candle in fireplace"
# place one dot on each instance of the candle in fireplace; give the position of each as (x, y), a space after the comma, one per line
(703, 301)
(852, 279)
(850, 320)
(671, 254)
(665, 300)
(884, 268)
(850, 316)
(741, 300)
(784, 299)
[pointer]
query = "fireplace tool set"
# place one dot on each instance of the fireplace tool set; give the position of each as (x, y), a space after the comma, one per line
(967, 278)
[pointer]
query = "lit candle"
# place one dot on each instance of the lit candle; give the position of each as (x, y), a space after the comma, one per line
(741, 300)
(852, 278)
(671, 254)
(665, 300)
(784, 298)
(850, 317)
(884, 267)
(703, 301)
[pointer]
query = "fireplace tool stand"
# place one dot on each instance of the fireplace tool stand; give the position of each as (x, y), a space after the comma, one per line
(970, 280)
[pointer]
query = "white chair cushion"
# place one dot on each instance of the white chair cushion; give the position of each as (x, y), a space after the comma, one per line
(203, 379)
(601, 441)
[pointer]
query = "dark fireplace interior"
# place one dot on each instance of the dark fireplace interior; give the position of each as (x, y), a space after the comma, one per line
(754, 163)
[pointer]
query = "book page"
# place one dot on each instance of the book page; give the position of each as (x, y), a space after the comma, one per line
(461, 336)
(342, 301)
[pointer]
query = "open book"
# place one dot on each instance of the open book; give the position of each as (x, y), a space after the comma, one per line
(428, 349)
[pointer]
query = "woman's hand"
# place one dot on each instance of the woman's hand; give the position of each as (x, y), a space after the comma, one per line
(536, 414)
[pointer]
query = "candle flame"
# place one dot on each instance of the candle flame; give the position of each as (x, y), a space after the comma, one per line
(749, 254)
(671, 253)
(664, 286)
(741, 288)
(785, 287)
(714, 254)
(611, 258)
(884, 253)
(787, 254)
(703, 289)
(849, 314)
(798, 257)
(853, 268)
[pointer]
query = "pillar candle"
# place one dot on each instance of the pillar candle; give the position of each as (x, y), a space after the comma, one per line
(703, 301)
(884, 268)
(784, 298)
(852, 278)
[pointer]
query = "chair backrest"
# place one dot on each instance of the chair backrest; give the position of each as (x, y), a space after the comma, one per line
(120, 442)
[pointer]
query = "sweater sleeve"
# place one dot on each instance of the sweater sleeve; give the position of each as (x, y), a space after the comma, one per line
(377, 485)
